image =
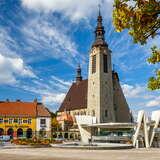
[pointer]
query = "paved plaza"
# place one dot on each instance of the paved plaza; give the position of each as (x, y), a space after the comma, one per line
(73, 154)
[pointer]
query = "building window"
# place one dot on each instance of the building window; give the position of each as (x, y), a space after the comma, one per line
(6, 121)
(15, 120)
(42, 122)
(10, 120)
(105, 63)
(20, 121)
(1, 120)
(94, 64)
(25, 121)
(106, 113)
(29, 121)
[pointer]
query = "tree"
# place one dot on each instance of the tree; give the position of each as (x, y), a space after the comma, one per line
(54, 123)
(142, 19)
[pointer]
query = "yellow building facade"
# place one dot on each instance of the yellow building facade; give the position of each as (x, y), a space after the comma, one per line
(18, 127)
(24, 119)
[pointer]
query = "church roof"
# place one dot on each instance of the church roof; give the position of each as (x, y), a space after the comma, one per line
(76, 98)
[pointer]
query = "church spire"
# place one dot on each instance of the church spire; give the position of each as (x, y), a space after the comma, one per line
(99, 32)
(79, 76)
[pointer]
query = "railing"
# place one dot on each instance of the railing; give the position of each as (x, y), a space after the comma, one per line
(111, 138)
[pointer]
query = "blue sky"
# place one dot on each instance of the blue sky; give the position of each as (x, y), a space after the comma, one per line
(42, 42)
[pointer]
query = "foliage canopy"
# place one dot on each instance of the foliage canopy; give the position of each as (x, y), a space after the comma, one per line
(142, 19)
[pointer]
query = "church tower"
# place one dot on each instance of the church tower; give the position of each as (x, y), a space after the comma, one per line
(78, 76)
(100, 84)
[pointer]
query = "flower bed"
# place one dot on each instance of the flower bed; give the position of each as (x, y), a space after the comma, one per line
(34, 141)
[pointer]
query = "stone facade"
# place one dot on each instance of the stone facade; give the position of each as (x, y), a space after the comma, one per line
(100, 87)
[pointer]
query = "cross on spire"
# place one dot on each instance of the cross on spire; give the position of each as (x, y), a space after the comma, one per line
(99, 32)
(99, 9)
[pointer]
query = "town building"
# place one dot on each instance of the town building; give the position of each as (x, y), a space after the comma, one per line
(101, 94)
(24, 119)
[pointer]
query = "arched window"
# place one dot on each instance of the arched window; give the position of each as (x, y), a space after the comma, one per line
(19, 132)
(29, 133)
(10, 132)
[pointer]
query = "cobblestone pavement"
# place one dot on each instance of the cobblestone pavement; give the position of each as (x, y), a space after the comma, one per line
(74, 154)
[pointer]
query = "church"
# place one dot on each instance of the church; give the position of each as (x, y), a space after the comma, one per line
(101, 94)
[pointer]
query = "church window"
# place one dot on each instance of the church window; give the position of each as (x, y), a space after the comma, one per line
(94, 64)
(106, 113)
(105, 64)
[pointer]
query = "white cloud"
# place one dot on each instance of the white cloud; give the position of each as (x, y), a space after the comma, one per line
(75, 10)
(53, 98)
(153, 103)
(51, 90)
(51, 40)
(139, 97)
(12, 67)
(61, 81)
(131, 91)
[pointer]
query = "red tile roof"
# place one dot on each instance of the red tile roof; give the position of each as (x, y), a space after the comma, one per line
(19, 108)
(42, 111)
(76, 97)
(65, 117)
